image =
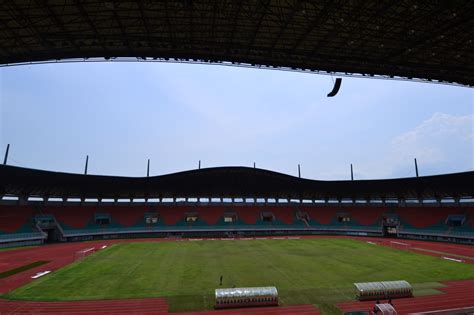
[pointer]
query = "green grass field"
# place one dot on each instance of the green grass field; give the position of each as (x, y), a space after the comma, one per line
(318, 271)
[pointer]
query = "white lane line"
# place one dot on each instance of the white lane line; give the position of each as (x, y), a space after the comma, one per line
(399, 243)
(453, 259)
(40, 274)
(86, 250)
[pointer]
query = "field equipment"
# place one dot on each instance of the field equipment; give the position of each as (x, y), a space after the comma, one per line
(242, 297)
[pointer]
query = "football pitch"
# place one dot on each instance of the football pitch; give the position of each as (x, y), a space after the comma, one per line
(319, 271)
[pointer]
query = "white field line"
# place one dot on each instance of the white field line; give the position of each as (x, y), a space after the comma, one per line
(453, 259)
(369, 242)
(227, 239)
(278, 238)
(294, 238)
(195, 239)
(399, 243)
(105, 246)
(86, 250)
(40, 274)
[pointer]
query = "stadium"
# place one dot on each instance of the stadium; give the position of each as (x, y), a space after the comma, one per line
(233, 239)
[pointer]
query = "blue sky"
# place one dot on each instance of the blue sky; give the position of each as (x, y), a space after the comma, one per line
(121, 114)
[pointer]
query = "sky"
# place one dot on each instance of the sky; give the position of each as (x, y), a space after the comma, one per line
(123, 113)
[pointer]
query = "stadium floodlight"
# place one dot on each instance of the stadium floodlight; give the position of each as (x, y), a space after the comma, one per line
(416, 168)
(87, 164)
(6, 155)
(148, 169)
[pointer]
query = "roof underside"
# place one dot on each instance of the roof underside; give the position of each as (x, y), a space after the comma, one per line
(430, 40)
(230, 182)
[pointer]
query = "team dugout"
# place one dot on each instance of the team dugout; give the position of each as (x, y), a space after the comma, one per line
(383, 290)
(238, 297)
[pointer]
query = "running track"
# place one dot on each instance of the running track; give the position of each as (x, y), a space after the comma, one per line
(455, 294)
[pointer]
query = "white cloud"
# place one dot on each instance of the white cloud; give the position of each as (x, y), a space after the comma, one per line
(443, 143)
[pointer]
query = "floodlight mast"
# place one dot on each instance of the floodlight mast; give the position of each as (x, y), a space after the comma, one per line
(148, 169)
(416, 168)
(87, 164)
(352, 173)
(5, 160)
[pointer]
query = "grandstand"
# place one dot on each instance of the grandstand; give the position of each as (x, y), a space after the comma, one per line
(198, 214)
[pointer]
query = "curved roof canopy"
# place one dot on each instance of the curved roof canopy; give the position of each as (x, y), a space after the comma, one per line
(429, 40)
(235, 182)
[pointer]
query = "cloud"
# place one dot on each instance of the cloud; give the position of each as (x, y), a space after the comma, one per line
(442, 143)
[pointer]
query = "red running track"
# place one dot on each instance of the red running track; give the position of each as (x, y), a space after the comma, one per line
(456, 294)
(305, 309)
(155, 306)
(60, 255)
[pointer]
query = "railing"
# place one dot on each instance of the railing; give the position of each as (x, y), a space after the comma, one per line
(442, 233)
(21, 236)
(249, 228)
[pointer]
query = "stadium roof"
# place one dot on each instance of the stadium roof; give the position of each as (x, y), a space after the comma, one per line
(428, 40)
(230, 182)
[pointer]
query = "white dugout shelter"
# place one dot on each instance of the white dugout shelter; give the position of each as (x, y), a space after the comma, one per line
(383, 290)
(240, 297)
